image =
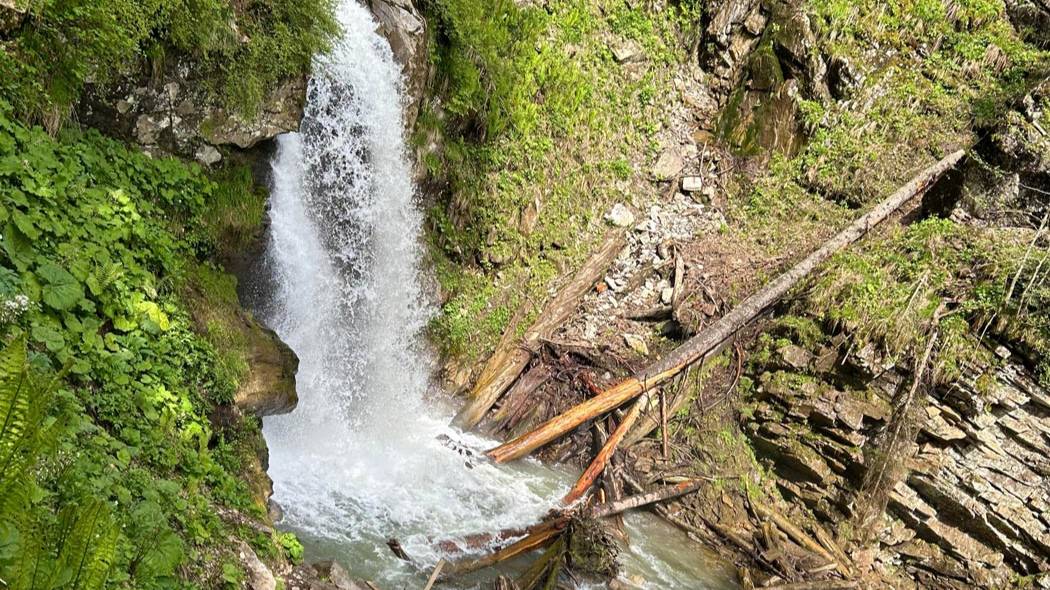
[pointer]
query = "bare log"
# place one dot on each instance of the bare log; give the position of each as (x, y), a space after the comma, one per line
(657, 495)
(434, 574)
(820, 585)
(719, 332)
(539, 538)
(800, 537)
(511, 357)
(602, 458)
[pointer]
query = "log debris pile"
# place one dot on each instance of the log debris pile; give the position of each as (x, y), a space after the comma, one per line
(812, 553)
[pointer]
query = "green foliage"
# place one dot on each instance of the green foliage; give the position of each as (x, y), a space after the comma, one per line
(38, 548)
(539, 122)
(94, 261)
(888, 294)
(242, 50)
(291, 545)
(238, 210)
(947, 66)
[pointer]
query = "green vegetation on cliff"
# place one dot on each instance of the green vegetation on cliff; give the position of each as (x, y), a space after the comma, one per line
(239, 50)
(542, 129)
(98, 244)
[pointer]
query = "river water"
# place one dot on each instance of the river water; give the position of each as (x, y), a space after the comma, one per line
(367, 456)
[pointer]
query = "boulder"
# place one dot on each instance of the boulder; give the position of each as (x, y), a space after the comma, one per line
(269, 387)
(176, 115)
(406, 31)
(627, 51)
(668, 165)
(333, 573)
(620, 216)
(281, 112)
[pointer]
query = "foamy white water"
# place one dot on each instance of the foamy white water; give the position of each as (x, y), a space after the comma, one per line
(360, 460)
(365, 456)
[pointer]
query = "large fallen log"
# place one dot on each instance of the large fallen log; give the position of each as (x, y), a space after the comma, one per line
(512, 356)
(718, 334)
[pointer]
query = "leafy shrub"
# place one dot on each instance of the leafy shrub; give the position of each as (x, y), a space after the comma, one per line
(93, 239)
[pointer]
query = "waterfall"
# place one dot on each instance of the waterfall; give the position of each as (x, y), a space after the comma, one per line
(368, 454)
(362, 459)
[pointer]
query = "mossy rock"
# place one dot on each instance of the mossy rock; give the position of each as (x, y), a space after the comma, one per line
(592, 550)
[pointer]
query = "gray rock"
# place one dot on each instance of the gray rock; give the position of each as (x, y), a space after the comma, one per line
(1031, 18)
(843, 78)
(406, 31)
(620, 216)
(336, 575)
(636, 343)
(259, 576)
(794, 356)
(668, 165)
(269, 387)
(178, 116)
(692, 184)
(208, 155)
(12, 13)
(281, 112)
(626, 51)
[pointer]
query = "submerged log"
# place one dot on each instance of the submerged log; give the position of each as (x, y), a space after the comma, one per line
(542, 535)
(716, 335)
(511, 357)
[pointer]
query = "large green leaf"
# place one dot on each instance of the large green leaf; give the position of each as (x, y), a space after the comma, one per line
(61, 290)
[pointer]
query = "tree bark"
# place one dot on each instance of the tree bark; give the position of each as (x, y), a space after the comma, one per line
(602, 458)
(718, 333)
(657, 495)
(512, 356)
(540, 536)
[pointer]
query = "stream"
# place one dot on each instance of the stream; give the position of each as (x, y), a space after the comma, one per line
(367, 455)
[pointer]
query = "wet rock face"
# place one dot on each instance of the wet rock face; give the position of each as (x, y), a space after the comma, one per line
(406, 30)
(270, 385)
(176, 115)
(763, 58)
(971, 509)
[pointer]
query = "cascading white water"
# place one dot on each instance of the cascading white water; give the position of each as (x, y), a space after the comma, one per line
(362, 458)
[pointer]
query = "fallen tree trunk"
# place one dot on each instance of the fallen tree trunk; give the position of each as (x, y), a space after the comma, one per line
(718, 333)
(596, 467)
(657, 495)
(540, 536)
(511, 357)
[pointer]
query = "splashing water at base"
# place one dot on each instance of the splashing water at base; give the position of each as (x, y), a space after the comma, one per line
(365, 457)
